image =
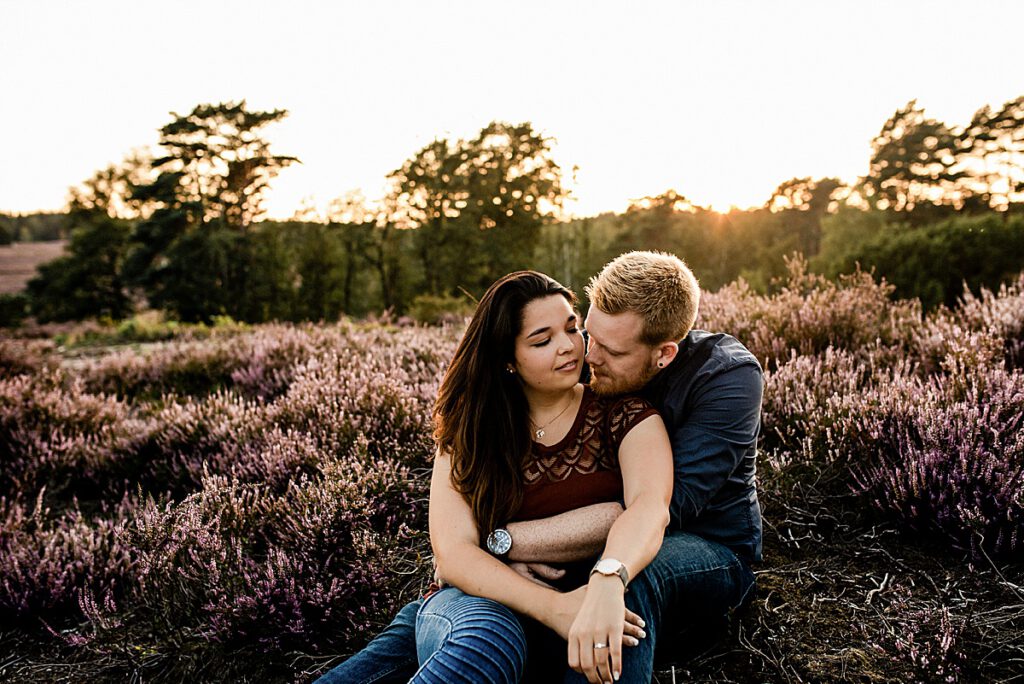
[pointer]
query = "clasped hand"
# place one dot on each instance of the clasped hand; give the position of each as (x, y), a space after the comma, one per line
(595, 623)
(590, 615)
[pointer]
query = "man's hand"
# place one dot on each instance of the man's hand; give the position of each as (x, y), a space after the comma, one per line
(540, 573)
(438, 580)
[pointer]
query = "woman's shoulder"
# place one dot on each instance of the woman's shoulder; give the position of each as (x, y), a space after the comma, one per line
(618, 414)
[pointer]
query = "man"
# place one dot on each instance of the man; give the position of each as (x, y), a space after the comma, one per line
(707, 388)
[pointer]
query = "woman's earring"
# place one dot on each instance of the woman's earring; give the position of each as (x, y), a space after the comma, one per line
(511, 371)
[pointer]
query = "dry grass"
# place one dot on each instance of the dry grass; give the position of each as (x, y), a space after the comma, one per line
(843, 597)
(18, 262)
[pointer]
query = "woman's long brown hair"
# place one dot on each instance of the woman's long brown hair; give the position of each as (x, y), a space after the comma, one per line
(481, 415)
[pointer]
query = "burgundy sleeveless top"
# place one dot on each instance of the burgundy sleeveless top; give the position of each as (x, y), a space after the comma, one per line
(583, 467)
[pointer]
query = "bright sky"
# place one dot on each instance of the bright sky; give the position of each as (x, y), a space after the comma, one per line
(719, 100)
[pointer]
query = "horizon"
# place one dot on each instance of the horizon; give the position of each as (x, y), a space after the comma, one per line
(720, 103)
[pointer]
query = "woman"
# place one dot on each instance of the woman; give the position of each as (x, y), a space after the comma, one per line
(520, 438)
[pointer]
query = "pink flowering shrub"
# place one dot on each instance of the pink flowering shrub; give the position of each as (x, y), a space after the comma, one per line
(24, 356)
(945, 456)
(809, 314)
(257, 363)
(991, 321)
(272, 492)
(243, 566)
(942, 454)
(929, 641)
(46, 562)
(180, 506)
(54, 433)
(183, 367)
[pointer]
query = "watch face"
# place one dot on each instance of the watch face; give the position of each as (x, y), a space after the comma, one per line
(608, 566)
(499, 542)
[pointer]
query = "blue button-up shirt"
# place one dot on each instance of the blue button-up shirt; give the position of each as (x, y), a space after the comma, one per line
(710, 400)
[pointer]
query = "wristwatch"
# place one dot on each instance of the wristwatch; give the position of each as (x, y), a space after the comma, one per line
(499, 542)
(611, 566)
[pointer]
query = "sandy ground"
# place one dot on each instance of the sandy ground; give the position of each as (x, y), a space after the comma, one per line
(18, 262)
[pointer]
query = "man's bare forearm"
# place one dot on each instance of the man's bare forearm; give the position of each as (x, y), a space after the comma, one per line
(574, 535)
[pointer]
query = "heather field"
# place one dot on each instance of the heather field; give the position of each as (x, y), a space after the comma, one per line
(245, 503)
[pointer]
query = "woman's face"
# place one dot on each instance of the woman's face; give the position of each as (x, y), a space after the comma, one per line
(549, 348)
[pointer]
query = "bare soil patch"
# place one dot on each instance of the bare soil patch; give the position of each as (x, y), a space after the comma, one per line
(18, 262)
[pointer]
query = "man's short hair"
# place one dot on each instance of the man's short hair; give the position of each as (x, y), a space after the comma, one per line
(657, 286)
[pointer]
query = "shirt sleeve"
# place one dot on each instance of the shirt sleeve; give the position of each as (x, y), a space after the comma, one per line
(711, 441)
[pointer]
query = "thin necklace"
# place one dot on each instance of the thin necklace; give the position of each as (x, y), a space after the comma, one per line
(539, 432)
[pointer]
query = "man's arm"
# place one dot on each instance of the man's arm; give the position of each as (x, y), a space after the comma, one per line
(707, 447)
(712, 440)
(570, 536)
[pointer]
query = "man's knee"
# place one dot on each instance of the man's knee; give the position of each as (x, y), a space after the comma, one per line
(699, 573)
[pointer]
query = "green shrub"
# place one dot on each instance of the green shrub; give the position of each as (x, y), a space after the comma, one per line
(437, 309)
(13, 309)
(934, 262)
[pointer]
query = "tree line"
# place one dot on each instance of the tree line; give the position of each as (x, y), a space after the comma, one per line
(181, 231)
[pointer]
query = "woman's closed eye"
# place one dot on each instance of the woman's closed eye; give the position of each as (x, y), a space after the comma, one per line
(571, 331)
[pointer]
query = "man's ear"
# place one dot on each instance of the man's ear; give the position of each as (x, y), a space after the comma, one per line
(666, 352)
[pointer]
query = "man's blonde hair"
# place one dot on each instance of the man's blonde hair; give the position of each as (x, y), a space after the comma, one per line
(657, 286)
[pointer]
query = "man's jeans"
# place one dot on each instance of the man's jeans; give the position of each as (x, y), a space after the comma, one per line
(691, 585)
(389, 659)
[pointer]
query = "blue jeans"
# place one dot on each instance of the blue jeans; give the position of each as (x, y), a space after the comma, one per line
(462, 639)
(689, 588)
(688, 593)
(389, 659)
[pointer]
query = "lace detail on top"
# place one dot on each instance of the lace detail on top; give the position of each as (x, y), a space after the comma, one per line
(592, 443)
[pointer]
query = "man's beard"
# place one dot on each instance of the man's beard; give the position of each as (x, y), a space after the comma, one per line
(607, 387)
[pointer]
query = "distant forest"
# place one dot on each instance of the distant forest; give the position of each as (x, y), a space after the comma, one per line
(938, 207)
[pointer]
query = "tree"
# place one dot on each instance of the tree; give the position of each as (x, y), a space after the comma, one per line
(6, 230)
(913, 160)
(109, 190)
(208, 189)
(803, 202)
(992, 148)
(86, 281)
(476, 205)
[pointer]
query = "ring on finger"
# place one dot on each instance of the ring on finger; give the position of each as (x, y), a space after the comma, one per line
(600, 645)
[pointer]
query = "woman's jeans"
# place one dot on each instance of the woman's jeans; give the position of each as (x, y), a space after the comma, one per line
(691, 585)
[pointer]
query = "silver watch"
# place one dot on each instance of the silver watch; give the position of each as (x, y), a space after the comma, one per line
(611, 566)
(499, 542)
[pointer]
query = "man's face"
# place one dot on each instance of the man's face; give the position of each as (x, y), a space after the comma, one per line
(619, 361)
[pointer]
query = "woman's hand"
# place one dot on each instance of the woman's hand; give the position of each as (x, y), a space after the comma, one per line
(565, 607)
(598, 607)
(595, 638)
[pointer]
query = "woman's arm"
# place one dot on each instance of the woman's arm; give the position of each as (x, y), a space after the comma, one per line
(645, 458)
(463, 564)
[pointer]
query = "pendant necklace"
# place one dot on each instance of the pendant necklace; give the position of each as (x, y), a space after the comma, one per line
(539, 432)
